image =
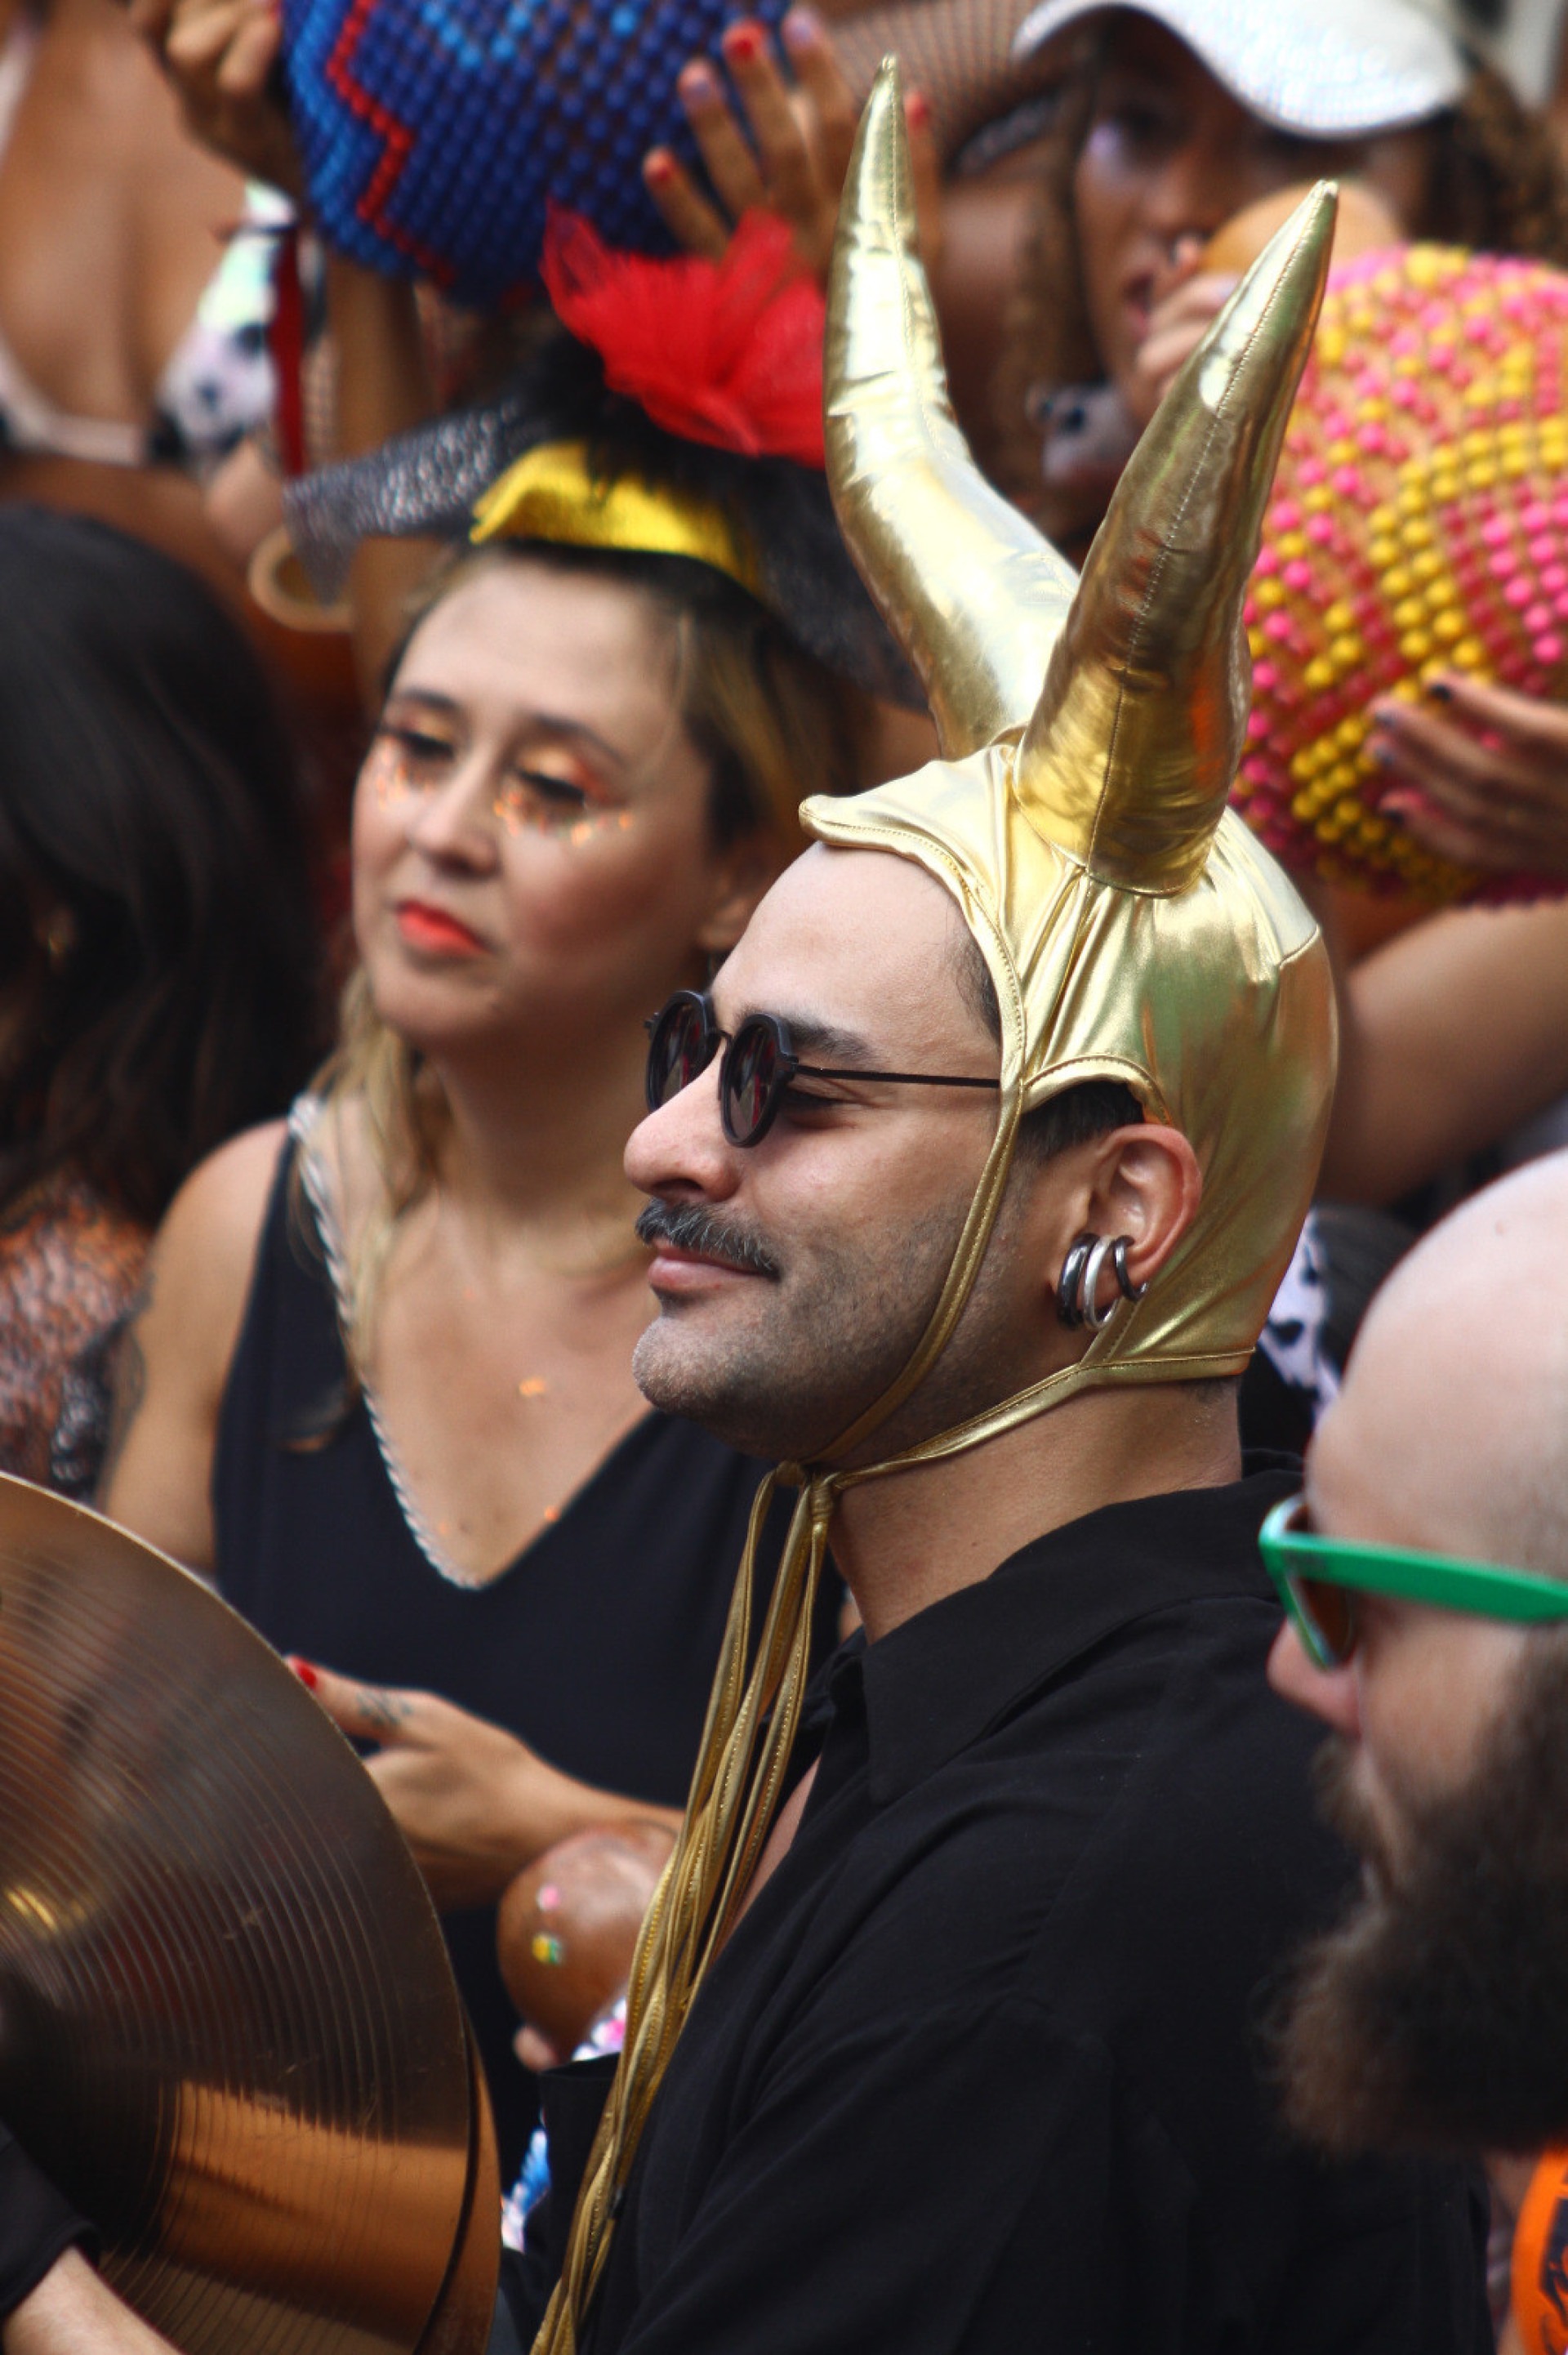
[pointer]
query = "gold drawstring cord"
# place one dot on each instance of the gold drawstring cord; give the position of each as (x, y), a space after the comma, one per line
(750, 1732)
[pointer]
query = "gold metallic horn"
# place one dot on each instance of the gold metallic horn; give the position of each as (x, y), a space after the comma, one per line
(1130, 754)
(971, 591)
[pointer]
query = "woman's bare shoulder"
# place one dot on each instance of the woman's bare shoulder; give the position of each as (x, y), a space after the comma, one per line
(173, 1359)
(207, 1244)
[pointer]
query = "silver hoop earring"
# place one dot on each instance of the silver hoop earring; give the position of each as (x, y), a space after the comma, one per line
(1072, 1267)
(1091, 1314)
(1128, 1290)
(1077, 1291)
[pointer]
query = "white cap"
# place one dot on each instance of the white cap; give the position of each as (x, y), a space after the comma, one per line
(1322, 68)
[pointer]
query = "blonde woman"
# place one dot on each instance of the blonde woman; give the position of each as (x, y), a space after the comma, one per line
(381, 1389)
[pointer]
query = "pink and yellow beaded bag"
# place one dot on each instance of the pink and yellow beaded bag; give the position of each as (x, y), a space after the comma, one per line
(1419, 523)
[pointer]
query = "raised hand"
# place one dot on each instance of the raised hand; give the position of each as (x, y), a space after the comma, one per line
(219, 56)
(1177, 325)
(1482, 778)
(786, 152)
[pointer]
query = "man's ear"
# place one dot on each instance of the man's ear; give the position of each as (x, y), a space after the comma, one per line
(741, 876)
(1144, 1182)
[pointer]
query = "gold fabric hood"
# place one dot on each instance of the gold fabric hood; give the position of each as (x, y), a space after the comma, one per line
(1133, 928)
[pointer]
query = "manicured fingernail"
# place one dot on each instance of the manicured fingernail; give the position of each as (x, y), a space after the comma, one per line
(1439, 690)
(803, 30)
(917, 110)
(697, 80)
(306, 1673)
(1384, 754)
(658, 167)
(743, 42)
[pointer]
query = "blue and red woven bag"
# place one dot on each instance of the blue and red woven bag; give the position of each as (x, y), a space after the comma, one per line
(435, 132)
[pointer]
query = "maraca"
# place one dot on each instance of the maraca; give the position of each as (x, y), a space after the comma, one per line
(568, 1926)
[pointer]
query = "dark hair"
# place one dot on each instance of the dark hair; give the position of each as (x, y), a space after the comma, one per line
(1498, 182)
(1079, 1113)
(150, 813)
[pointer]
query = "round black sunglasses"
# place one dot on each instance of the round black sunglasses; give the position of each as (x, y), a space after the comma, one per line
(759, 1062)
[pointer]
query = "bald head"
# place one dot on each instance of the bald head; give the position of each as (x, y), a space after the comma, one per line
(1451, 1433)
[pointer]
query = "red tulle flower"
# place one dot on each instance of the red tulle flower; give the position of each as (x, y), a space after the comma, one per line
(729, 352)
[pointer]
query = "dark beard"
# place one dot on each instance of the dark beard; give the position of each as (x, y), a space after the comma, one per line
(1435, 2017)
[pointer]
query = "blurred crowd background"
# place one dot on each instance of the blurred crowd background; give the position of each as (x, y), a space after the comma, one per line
(372, 1378)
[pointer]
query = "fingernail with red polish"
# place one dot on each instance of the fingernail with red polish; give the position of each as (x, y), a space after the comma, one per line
(917, 110)
(658, 167)
(306, 1673)
(743, 42)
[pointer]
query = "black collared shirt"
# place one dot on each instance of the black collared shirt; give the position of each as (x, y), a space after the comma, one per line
(980, 2069)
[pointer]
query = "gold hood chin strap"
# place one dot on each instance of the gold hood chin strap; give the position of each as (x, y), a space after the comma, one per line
(985, 608)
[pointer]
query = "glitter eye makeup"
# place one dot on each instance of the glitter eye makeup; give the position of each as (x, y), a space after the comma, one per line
(566, 802)
(538, 801)
(386, 770)
(404, 760)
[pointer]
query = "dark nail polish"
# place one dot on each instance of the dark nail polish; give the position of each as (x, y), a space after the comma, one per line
(1440, 691)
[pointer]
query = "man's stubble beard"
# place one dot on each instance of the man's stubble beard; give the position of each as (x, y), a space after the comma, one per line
(1435, 2016)
(825, 1339)
(821, 1342)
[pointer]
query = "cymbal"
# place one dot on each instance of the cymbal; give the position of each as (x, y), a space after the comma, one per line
(228, 2030)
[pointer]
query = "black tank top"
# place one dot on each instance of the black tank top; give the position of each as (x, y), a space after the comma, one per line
(597, 1644)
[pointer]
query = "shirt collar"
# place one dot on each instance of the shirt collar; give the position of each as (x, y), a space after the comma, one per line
(944, 1678)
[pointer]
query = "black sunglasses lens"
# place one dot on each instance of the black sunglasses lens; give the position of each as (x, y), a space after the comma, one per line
(750, 1082)
(679, 1050)
(1332, 1612)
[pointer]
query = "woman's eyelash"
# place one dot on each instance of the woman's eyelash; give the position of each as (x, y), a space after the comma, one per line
(415, 740)
(552, 788)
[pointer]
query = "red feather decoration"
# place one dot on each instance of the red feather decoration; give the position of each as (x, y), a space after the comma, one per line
(729, 352)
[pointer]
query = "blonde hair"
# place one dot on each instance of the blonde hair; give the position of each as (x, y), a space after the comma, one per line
(773, 725)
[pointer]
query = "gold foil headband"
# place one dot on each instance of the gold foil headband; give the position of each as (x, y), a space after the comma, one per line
(552, 493)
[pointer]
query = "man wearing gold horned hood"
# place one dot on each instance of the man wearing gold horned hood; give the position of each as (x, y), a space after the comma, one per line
(963, 1958)
(972, 1183)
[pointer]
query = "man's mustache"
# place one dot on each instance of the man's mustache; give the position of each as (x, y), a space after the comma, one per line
(687, 1228)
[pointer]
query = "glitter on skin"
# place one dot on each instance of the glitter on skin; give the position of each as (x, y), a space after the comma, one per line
(521, 804)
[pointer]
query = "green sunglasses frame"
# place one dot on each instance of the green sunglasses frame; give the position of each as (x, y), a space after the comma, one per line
(1483, 1589)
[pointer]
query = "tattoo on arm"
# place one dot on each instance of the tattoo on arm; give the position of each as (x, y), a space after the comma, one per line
(130, 1391)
